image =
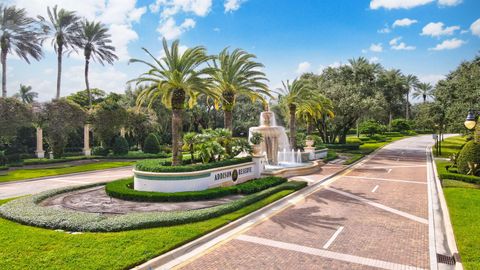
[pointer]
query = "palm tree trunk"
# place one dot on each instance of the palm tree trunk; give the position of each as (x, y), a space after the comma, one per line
(293, 140)
(59, 70)
(176, 137)
(424, 99)
(390, 120)
(87, 62)
(4, 73)
(228, 120)
(406, 107)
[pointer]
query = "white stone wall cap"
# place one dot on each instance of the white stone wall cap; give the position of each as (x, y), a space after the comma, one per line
(192, 173)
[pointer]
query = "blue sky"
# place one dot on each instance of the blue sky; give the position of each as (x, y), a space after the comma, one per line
(427, 38)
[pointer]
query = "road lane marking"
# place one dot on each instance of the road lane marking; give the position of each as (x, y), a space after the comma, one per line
(325, 253)
(389, 171)
(386, 179)
(375, 188)
(399, 166)
(378, 205)
(334, 236)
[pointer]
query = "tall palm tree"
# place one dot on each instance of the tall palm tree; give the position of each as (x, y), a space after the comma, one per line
(175, 78)
(292, 95)
(17, 35)
(315, 108)
(411, 82)
(95, 42)
(236, 74)
(64, 28)
(424, 90)
(26, 94)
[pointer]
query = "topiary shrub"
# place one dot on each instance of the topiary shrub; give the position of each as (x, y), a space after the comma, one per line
(469, 153)
(151, 145)
(120, 146)
(100, 151)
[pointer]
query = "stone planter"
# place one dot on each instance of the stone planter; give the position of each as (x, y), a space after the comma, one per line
(309, 143)
(257, 149)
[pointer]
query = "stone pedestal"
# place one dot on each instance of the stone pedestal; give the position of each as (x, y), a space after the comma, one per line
(260, 163)
(311, 152)
(122, 132)
(39, 152)
(86, 140)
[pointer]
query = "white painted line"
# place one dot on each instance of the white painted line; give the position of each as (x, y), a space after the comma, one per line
(334, 236)
(399, 166)
(375, 188)
(389, 171)
(385, 179)
(381, 206)
(326, 253)
(69, 181)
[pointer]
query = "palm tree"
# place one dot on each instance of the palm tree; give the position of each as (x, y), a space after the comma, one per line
(17, 35)
(292, 95)
(175, 78)
(424, 90)
(26, 94)
(64, 28)
(314, 109)
(411, 82)
(95, 42)
(236, 74)
(392, 84)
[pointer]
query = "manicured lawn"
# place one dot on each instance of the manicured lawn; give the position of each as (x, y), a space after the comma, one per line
(14, 175)
(452, 145)
(464, 208)
(25, 247)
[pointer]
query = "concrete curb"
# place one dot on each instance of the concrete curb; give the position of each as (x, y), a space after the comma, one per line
(445, 223)
(174, 257)
(65, 175)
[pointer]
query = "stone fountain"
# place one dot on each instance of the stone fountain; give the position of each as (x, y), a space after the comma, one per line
(274, 137)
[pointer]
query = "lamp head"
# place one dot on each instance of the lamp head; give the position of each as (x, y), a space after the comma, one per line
(470, 121)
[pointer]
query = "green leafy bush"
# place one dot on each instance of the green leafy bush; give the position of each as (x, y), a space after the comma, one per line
(378, 138)
(100, 151)
(346, 146)
(447, 171)
(156, 165)
(27, 211)
(401, 125)
(123, 189)
(120, 146)
(393, 134)
(151, 145)
(469, 153)
(371, 127)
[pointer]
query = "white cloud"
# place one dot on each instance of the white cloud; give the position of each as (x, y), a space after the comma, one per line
(396, 4)
(303, 67)
(232, 5)
(216, 29)
(384, 30)
(170, 30)
(395, 44)
(404, 22)
(374, 59)
(438, 29)
(172, 7)
(448, 44)
(117, 14)
(376, 47)
(431, 78)
(335, 64)
(475, 28)
(449, 3)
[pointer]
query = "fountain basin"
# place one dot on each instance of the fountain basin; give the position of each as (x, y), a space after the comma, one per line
(296, 169)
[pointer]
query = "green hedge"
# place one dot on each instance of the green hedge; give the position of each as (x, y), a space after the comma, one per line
(123, 189)
(444, 172)
(157, 165)
(26, 211)
(347, 146)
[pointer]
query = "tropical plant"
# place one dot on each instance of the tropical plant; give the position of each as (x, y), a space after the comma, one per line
(64, 28)
(256, 138)
(235, 74)
(120, 146)
(18, 36)
(411, 82)
(292, 95)
(207, 150)
(175, 78)
(26, 95)
(314, 109)
(83, 97)
(108, 118)
(190, 139)
(392, 83)
(151, 145)
(96, 44)
(424, 90)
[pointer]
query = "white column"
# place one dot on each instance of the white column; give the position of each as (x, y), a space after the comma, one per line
(86, 140)
(122, 132)
(259, 164)
(40, 153)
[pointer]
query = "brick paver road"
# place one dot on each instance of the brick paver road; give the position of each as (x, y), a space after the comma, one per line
(374, 216)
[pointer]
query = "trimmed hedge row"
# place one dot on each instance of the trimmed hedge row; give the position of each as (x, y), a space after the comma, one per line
(123, 189)
(158, 165)
(27, 211)
(445, 173)
(347, 146)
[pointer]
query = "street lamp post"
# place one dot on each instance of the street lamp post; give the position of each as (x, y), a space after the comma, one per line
(471, 123)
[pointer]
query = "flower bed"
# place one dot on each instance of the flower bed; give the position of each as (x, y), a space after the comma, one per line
(123, 189)
(27, 211)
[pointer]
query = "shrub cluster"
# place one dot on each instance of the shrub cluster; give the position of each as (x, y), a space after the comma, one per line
(469, 153)
(151, 145)
(120, 146)
(445, 171)
(158, 165)
(123, 189)
(346, 146)
(27, 211)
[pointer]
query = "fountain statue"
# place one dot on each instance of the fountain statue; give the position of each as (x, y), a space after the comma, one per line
(274, 138)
